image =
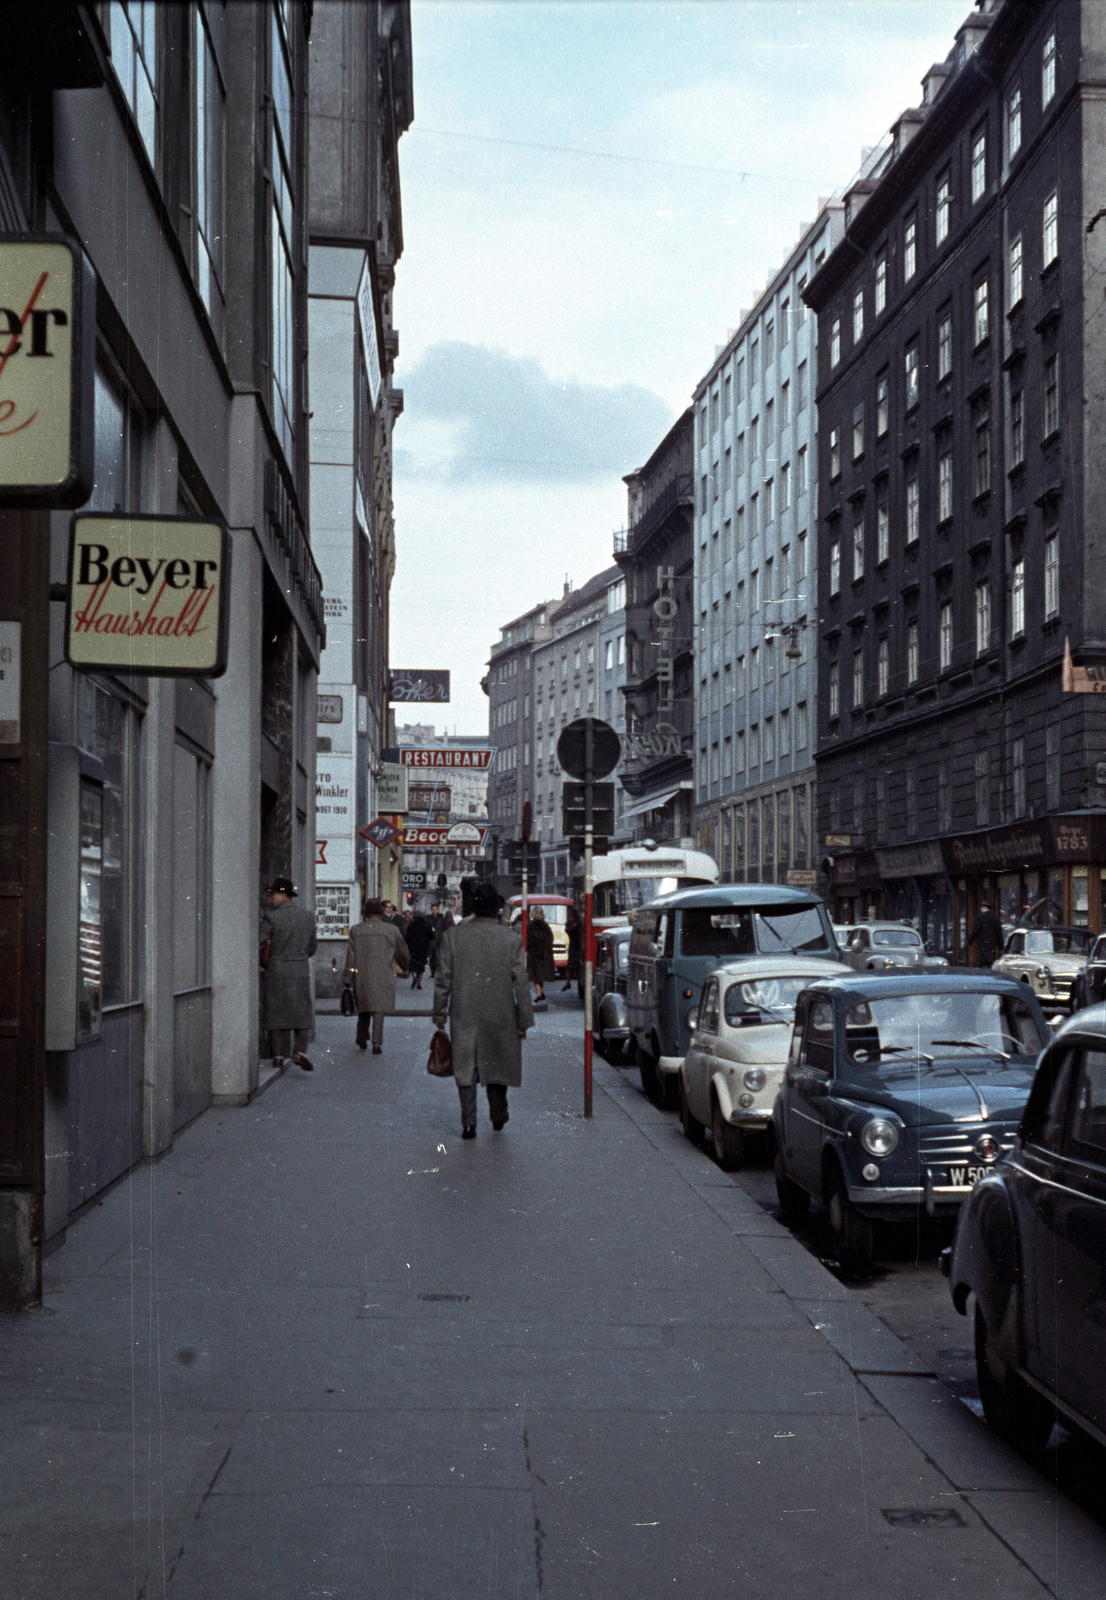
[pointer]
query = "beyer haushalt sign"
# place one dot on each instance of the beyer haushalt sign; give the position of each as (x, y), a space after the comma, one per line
(47, 361)
(148, 594)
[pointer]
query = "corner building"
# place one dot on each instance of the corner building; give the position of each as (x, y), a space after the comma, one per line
(961, 386)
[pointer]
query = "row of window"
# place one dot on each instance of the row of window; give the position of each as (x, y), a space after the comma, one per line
(765, 742)
(758, 838)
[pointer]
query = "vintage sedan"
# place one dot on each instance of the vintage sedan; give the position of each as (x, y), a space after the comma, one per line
(1029, 1258)
(730, 1076)
(610, 1028)
(900, 1094)
(1089, 987)
(1047, 959)
(886, 947)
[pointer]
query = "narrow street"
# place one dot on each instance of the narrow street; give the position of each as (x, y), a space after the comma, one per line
(324, 1348)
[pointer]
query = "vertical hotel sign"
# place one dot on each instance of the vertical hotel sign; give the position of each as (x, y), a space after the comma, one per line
(47, 360)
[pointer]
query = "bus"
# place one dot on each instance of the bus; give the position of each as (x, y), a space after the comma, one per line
(629, 878)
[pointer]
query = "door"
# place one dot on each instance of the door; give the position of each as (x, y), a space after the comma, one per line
(808, 1081)
(699, 1061)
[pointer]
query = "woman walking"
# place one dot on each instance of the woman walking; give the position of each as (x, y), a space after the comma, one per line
(418, 937)
(539, 954)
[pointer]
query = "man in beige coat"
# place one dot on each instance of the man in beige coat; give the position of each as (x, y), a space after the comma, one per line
(374, 953)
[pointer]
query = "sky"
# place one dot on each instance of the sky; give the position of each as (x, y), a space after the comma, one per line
(594, 192)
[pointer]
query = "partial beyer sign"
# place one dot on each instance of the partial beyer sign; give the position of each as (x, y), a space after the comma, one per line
(47, 361)
(148, 595)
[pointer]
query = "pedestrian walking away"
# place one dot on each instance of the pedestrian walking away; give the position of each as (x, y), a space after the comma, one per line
(539, 954)
(439, 921)
(376, 951)
(482, 989)
(986, 935)
(287, 944)
(419, 938)
(572, 924)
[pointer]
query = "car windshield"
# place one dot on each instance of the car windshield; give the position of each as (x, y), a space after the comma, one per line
(763, 1000)
(901, 938)
(892, 1036)
(1057, 941)
(749, 930)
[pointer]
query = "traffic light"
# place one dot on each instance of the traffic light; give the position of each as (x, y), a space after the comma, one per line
(602, 810)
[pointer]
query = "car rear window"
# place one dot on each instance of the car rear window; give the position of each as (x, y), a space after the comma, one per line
(762, 1000)
(900, 938)
(749, 930)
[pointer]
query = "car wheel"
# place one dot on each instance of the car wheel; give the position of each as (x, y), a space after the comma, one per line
(688, 1121)
(729, 1142)
(852, 1236)
(667, 1097)
(794, 1202)
(1015, 1411)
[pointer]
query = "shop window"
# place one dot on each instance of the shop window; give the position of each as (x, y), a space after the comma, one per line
(1080, 899)
(109, 727)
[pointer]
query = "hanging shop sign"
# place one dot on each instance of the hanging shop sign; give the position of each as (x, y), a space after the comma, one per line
(430, 797)
(380, 831)
(366, 315)
(391, 787)
(148, 595)
(443, 836)
(450, 756)
(47, 362)
(426, 685)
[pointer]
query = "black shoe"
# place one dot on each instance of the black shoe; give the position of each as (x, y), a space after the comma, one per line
(468, 1133)
(378, 1049)
(502, 1123)
(301, 1061)
(362, 1044)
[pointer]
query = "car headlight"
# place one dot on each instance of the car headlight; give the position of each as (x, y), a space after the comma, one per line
(755, 1078)
(879, 1137)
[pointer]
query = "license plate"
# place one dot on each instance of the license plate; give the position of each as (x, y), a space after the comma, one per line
(967, 1177)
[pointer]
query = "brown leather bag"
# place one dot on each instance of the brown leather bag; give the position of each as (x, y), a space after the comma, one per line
(440, 1061)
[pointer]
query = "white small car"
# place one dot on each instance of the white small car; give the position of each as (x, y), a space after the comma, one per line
(732, 1071)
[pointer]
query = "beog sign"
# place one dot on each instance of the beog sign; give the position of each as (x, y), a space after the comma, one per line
(148, 595)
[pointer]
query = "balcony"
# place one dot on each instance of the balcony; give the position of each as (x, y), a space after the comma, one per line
(677, 494)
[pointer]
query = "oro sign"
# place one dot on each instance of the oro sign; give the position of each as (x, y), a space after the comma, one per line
(149, 595)
(47, 361)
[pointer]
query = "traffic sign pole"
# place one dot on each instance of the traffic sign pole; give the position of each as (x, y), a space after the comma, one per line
(589, 887)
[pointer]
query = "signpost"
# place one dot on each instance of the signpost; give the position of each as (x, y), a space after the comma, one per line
(588, 749)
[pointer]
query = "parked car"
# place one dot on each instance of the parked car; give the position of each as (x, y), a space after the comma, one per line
(678, 941)
(734, 1063)
(1047, 959)
(886, 947)
(610, 1021)
(1090, 985)
(1030, 1247)
(899, 1094)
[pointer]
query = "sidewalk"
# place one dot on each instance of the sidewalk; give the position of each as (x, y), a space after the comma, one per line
(325, 1348)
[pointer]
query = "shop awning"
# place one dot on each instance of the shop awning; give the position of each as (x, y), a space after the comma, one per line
(652, 802)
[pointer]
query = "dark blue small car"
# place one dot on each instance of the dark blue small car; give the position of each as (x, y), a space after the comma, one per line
(900, 1093)
(1031, 1248)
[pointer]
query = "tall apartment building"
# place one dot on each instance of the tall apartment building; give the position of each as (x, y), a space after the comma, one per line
(961, 391)
(755, 580)
(360, 104)
(656, 554)
(509, 686)
(170, 142)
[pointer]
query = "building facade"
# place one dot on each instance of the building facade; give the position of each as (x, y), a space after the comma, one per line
(755, 495)
(360, 105)
(961, 414)
(655, 553)
(171, 143)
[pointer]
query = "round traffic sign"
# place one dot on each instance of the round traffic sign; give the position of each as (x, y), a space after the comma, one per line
(606, 748)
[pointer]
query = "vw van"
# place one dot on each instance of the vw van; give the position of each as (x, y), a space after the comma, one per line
(680, 939)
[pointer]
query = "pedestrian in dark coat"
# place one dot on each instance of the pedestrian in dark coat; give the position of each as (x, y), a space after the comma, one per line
(572, 925)
(287, 945)
(481, 988)
(375, 951)
(440, 921)
(539, 952)
(986, 935)
(419, 938)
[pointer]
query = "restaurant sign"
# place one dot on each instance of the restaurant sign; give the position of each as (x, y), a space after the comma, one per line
(148, 595)
(449, 756)
(47, 361)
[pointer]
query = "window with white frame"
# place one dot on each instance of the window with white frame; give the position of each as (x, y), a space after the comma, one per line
(913, 520)
(883, 666)
(858, 315)
(1017, 598)
(1014, 122)
(944, 636)
(1017, 776)
(858, 677)
(912, 652)
(982, 617)
(883, 532)
(910, 247)
(1052, 574)
(133, 30)
(835, 568)
(834, 688)
(858, 549)
(1016, 271)
(1048, 70)
(981, 312)
(1050, 229)
(835, 453)
(944, 346)
(1017, 428)
(1052, 394)
(858, 430)
(835, 342)
(880, 300)
(944, 207)
(910, 368)
(883, 405)
(979, 164)
(981, 446)
(944, 484)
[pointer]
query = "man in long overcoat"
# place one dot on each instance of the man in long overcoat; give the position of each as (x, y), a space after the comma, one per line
(482, 987)
(986, 935)
(376, 949)
(288, 1011)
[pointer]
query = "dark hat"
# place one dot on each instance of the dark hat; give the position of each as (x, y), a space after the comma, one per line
(485, 900)
(282, 886)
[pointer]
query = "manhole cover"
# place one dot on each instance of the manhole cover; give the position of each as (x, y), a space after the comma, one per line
(903, 1517)
(455, 1297)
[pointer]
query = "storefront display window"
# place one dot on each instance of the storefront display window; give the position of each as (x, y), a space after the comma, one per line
(108, 727)
(1080, 907)
(1056, 893)
(1009, 899)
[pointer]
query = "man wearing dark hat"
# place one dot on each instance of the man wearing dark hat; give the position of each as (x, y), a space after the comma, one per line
(482, 987)
(288, 1012)
(375, 953)
(986, 935)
